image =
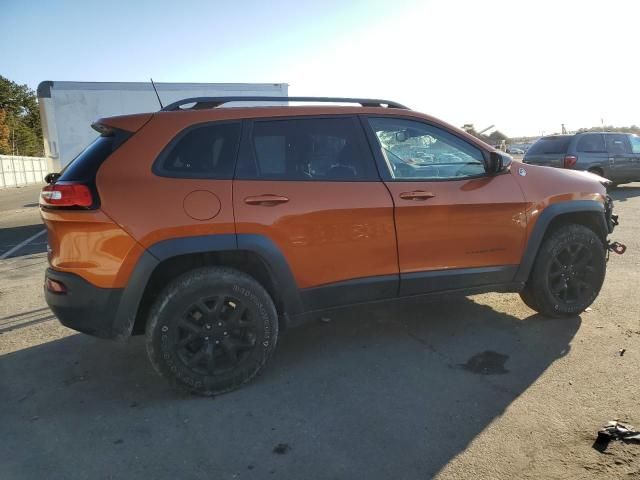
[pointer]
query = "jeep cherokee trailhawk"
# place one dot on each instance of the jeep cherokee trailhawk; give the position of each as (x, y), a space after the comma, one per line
(212, 229)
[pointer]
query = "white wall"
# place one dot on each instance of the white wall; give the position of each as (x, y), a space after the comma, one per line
(68, 109)
(20, 171)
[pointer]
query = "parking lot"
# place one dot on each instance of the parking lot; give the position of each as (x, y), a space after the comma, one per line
(413, 390)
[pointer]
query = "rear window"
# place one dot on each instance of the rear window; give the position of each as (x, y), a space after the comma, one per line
(84, 167)
(550, 145)
(204, 151)
(617, 144)
(322, 149)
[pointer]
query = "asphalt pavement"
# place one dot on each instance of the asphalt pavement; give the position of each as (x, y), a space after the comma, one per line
(20, 220)
(476, 387)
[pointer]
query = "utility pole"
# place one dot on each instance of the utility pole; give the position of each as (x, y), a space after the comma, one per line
(564, 130)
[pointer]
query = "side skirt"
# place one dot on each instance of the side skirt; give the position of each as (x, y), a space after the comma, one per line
(432, 285)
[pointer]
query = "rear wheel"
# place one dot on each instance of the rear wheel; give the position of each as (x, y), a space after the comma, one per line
(211, 330)
(567, 274)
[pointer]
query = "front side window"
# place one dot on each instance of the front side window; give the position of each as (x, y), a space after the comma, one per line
(321, 149)
(205, 151)
(635, 143)
(415, 150)
(591, 143)
(617, 144)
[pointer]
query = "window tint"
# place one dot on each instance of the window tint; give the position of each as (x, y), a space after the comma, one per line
(617, 144)
(591, 142)
(635, 143)
(308, 149)
(207, 151)
(558, 144)
(85, 166)
(414, 150)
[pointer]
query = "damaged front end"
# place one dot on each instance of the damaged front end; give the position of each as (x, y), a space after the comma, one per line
(612, 222)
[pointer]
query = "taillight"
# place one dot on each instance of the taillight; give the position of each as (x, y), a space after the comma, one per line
(570, 161)
(55, 286)
(66, 195)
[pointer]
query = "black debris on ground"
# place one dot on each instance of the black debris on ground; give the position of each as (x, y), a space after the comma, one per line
(487, 363)
(281, 448)
(615, 430)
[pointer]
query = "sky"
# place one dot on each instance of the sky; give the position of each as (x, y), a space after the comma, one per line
(525, 66)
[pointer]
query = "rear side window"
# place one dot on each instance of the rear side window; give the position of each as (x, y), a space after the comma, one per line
(202, 151)
(550, 145)
(85, 166)
(617, 144)
(635, 143)
(322, 149)
(591, 143)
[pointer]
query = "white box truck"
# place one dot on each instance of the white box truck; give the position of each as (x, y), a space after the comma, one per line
(67, 109)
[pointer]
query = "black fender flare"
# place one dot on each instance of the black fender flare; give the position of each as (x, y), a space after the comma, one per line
(261, 245)
(542, 224)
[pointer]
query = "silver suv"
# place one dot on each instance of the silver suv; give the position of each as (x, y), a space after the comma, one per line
(615, 156)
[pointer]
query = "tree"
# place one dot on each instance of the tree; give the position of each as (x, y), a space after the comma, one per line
(608, 128)
(21, 117)
(4, 133)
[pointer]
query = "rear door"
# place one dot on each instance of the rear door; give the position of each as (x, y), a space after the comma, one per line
(592, 153)
(310, 186)
(620, 157)
(457, 227)
(549, 151)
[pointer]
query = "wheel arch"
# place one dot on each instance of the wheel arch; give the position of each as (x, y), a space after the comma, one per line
(589, 213)
(254, 255)
(596, 167)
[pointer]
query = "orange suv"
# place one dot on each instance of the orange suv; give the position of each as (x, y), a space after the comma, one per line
(211, 230)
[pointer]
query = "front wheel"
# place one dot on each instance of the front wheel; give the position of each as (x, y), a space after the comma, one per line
(211, 330)
(567, 274)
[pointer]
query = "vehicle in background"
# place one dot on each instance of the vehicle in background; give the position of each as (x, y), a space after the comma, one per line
(615, 156)
(515, 151)
(67, 109)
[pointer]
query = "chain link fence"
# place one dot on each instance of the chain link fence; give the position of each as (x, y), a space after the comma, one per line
(20, 171)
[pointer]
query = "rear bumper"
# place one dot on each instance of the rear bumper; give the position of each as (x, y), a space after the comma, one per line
(84, 307)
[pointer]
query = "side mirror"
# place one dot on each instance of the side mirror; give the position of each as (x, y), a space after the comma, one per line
(498, 162)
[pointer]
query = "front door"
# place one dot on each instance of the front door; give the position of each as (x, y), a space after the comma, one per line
(457, 227)
(310, 186)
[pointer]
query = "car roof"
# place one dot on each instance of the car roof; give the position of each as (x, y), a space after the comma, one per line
(606, 133)
(180, 119)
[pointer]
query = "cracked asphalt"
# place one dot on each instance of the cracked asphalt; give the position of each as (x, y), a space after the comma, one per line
(455, 388)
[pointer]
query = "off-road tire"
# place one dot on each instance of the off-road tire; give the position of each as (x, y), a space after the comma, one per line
(567, 274)
(211, 330)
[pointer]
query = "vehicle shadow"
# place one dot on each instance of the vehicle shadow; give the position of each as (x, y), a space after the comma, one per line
(623, 193)
(377, 392)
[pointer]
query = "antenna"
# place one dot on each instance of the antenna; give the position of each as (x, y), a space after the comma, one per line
(156, 90)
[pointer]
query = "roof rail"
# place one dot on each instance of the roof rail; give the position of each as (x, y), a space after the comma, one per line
(202, 103)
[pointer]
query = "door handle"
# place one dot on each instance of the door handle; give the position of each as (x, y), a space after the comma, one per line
(267, 200)
(416, 195)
